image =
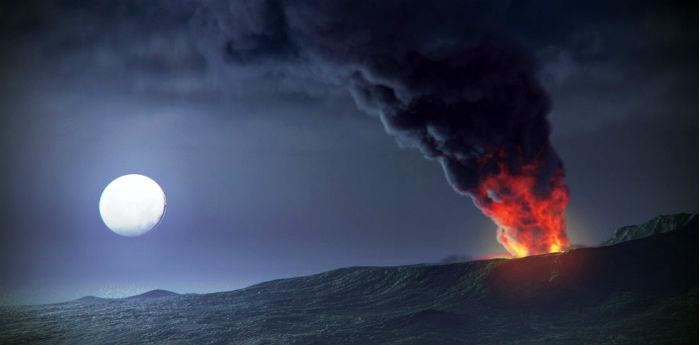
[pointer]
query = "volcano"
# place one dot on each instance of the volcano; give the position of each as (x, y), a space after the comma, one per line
(639, 288)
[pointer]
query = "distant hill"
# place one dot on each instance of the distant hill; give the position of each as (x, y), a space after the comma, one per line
(158, 293)
(656, 225)
(91, 299)
(642, 291)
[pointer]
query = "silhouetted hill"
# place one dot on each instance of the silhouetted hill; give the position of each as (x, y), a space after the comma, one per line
(642, 291)
(90, 299)
(158, 293)
(656, 225)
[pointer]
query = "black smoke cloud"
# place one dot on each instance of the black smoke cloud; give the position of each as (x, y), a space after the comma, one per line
(444, 77)
(453, 87)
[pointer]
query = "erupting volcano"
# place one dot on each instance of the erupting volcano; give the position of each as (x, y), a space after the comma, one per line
(474, 104)
(482, 113)
(529, 221)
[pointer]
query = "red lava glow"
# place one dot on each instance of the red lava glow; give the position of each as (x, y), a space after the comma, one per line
(528, 223)
(493, 256)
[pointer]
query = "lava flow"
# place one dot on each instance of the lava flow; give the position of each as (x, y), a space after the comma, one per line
(529, 221)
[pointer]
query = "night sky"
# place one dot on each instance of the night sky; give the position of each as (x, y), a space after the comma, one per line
(241, 112)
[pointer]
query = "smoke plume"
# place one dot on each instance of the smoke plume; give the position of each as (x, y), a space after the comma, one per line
(464, 96)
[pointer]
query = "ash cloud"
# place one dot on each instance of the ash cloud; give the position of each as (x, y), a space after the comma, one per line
(461, 93)
(443, 77)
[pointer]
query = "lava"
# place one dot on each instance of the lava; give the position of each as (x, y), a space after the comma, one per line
(530, 221)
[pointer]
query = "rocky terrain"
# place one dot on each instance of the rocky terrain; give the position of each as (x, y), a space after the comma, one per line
(654, 226)
(641, 288)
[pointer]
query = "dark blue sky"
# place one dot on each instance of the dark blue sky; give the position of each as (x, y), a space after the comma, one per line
(270, 169)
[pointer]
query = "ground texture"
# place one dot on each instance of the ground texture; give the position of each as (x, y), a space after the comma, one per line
(640, 291)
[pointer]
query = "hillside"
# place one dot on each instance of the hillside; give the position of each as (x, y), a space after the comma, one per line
(633, 292)
(158, 293)
(656, 225)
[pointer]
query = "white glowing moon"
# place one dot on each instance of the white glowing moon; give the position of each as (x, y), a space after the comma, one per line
(132, 205)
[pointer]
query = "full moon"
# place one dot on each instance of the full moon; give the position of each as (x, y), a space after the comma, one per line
(132, 205)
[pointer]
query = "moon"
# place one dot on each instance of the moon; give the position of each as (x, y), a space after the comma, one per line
(132, 205)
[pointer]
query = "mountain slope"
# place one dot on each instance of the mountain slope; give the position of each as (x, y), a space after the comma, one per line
(639, 291)
(656, 225)
(158, 293)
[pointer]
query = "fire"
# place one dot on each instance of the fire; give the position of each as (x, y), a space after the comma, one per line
(529, 221)
(493, 256)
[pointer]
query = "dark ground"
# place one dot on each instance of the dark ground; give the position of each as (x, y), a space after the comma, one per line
(636, 291)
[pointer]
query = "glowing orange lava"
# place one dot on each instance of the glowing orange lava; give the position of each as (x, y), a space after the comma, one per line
(493, 256)
(529, 221)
